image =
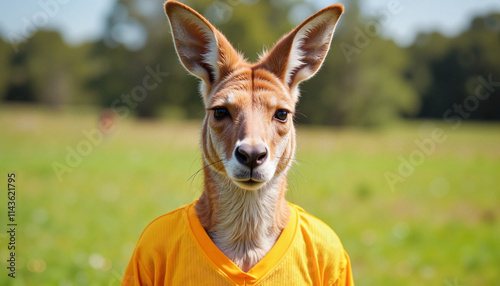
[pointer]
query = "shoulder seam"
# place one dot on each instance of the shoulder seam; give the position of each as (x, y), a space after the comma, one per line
(162, 216)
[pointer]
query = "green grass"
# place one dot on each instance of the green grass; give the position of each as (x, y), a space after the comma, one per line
(439, 225)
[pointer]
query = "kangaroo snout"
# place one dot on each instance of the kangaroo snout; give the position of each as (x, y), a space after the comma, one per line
(251, 156)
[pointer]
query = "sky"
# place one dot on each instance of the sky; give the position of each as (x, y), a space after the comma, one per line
(80, 21)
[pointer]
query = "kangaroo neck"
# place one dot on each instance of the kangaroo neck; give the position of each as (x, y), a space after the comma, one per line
(243, 224)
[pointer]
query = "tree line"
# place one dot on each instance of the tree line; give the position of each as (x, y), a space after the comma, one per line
(366, 80)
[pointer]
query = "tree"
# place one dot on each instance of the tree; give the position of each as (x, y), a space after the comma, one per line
(366, 80)
(47, 70)
(363, 80)
(447, 72)
(5, 56)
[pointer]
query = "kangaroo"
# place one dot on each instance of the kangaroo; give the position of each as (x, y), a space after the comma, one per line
(241, 230)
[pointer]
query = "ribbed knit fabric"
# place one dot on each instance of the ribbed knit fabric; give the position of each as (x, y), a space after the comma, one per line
(175, 250)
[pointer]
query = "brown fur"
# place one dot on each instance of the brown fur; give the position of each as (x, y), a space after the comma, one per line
(245, 221)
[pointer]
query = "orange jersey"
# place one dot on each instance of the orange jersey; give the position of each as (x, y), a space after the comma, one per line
(175, 250)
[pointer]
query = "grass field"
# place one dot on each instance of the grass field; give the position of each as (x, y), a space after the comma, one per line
(439, 223)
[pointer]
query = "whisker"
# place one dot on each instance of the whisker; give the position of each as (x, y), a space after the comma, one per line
(219, 169)
(293, 159)
(294, 170)
(288, 179)
(193, 176)
(204, 167)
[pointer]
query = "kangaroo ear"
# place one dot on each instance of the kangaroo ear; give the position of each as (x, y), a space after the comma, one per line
(300, 54)
(203, 50)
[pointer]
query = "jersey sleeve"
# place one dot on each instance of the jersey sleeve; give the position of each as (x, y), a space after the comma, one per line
(136, 273)
(344, 277)
(148, 265)
(325, 251)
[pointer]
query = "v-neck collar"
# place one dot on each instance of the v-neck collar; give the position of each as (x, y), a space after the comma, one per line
(231, 270)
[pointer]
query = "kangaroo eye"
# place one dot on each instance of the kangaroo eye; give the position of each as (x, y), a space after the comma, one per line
(220, 113)
(281, 115)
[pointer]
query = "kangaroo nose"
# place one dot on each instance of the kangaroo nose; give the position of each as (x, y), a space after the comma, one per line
(251, 155)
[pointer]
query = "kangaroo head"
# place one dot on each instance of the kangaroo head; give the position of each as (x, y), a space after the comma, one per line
(248, 133)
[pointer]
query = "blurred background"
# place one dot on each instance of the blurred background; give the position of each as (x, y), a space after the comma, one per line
(398, 133)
